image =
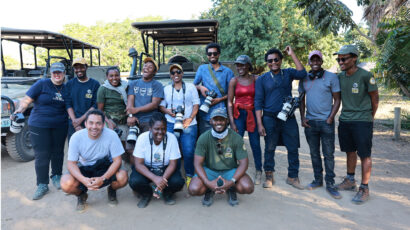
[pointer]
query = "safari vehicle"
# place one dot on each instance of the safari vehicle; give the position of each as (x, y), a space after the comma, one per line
(16, 82)
(172, 33)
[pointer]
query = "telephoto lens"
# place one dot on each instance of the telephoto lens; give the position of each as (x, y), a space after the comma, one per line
(118, 131)
(133, 134)
(179, 118)
(208, 100)
(286, 108)
(17, 122)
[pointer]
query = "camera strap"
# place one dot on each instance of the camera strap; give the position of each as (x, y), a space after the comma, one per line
(164, 146)
(183, 93)
(221, 90)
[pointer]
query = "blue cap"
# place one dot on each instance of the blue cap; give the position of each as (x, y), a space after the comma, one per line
(219, 112)
(58, 66)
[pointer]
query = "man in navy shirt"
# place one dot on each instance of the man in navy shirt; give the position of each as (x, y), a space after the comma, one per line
(270, 90)
(222, 75)
(82, 96)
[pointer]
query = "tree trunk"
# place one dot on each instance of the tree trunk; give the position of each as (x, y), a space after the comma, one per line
(404, 90)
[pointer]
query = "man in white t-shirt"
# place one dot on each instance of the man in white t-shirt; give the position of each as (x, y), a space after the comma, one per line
(94, 161)
(156, 154)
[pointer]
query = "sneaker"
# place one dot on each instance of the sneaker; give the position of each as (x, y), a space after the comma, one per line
(332, 190)
(258, 177)
(361, 196)
(232, 199)
(314, 184)
(81, 202)
(56, 181)
(168, 199)
(144, 201)
(347, 184)
(294, 182)
(269, 180)
(42, 190)
(208, 198)
(188, 181)
(112, 196)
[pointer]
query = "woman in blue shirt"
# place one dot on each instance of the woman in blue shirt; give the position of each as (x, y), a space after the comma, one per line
(48, 127)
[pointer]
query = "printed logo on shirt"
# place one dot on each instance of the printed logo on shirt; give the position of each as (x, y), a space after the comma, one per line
(228, 153)
(149, 92)
(372, 81)
(157, 157)
(89, 94)
(143, 91)
(136, 89)
(58, 97)
(355, 88)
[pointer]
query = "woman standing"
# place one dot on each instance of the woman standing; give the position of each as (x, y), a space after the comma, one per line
(48, 127)
(242, 112)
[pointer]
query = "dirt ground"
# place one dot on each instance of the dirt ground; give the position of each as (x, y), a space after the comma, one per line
(281, 207)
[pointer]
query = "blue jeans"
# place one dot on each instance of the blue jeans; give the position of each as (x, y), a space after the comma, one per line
(254, 138)
(289, 132)
(187, 143)
(320, 131)
(204, 125)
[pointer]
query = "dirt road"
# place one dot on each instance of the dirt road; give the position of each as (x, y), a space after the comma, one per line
(281, 207)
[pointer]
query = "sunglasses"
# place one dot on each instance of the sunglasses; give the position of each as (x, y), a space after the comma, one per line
(273, 60)
(175, 72)
(219, 146)
(212, 53)
(343, 59)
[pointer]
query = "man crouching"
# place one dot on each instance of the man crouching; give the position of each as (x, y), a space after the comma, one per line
(217, 154)
(94, 161)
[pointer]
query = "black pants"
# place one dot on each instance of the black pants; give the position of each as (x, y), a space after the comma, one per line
(48, 145)
(141, 184)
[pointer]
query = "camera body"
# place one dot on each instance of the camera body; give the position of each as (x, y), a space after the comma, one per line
(133, 134)
(17, 123)
(179, 118)
(118, 131)
(289, 106)
(208, 100)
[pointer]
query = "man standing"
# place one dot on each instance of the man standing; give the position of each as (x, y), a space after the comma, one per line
(217, 154)
(322, 94)
(360, 99)
(94, 161)
(82, 96)
(214, 77)
(270, 90)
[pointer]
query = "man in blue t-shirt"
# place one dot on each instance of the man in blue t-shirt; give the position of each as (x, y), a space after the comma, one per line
(82, 96)
(214, 77)
(322, 94)
(270, 90)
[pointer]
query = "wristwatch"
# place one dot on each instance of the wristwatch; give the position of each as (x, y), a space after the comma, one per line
(233, 180)
(104, 180)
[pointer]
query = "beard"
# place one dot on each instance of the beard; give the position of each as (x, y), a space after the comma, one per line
(220, 131)
(213, 62)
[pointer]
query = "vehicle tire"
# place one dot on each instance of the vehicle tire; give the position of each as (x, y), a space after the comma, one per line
(19, 145)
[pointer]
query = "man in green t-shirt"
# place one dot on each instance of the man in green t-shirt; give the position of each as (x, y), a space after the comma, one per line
(221, 161)
(360, 99)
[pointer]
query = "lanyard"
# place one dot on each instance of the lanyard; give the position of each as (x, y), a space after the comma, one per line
(164, 146)
(172, 95)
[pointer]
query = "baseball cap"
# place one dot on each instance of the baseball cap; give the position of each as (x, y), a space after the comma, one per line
(315, 52)
(176, 66)
(348, 49)
(219, 112)
(81, 61)
(244, 59)
(57, 66)
(150, 59)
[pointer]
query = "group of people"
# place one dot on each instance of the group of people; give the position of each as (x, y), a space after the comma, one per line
(98, 118)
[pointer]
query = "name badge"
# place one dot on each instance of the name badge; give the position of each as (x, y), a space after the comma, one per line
(355, 88)
(228, 153)
(89, 94)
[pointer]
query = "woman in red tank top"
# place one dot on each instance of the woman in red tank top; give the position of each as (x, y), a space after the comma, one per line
(241, 109)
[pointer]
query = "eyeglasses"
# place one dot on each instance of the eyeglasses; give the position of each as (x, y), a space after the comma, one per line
(212, 53)
(273, 60)
(175, 72)
(219, 146)
(343, 59)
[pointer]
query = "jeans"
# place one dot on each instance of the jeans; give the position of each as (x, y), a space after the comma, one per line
(254, 138)
(204, 125)
(320, 131)
(289, 132)
(48, 145)
(141, 184)
(187, 143)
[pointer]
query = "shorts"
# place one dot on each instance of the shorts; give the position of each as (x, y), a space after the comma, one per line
(356, 136)
(96, 170)
(213, 174)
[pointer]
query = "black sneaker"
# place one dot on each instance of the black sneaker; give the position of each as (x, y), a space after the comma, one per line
(332, 190)
(144, 201)
(232, 199)
(208, 198)
(168, 199)
(112, 196)
(81, 202)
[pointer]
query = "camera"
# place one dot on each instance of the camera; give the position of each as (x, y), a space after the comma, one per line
(289, 107)
(179, 118)
(208, 100)
(118, 131)
(17, 122)
(133, 134)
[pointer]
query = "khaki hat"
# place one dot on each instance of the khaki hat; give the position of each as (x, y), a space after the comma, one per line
(81, 61)
(150, 59)
(176, 66)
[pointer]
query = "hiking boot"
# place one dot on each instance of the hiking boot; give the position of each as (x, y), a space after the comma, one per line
(42, 190)
(332, 190)
(258, 177)
(232, 199)
(294, 182)
(361, 196)
(314, 184)
(81, 202)
(56, 181)
(144, 201)
(347, 184)
(208, 198)
(168, 199)
(112, 196)
(269, 181)
(188, 181)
